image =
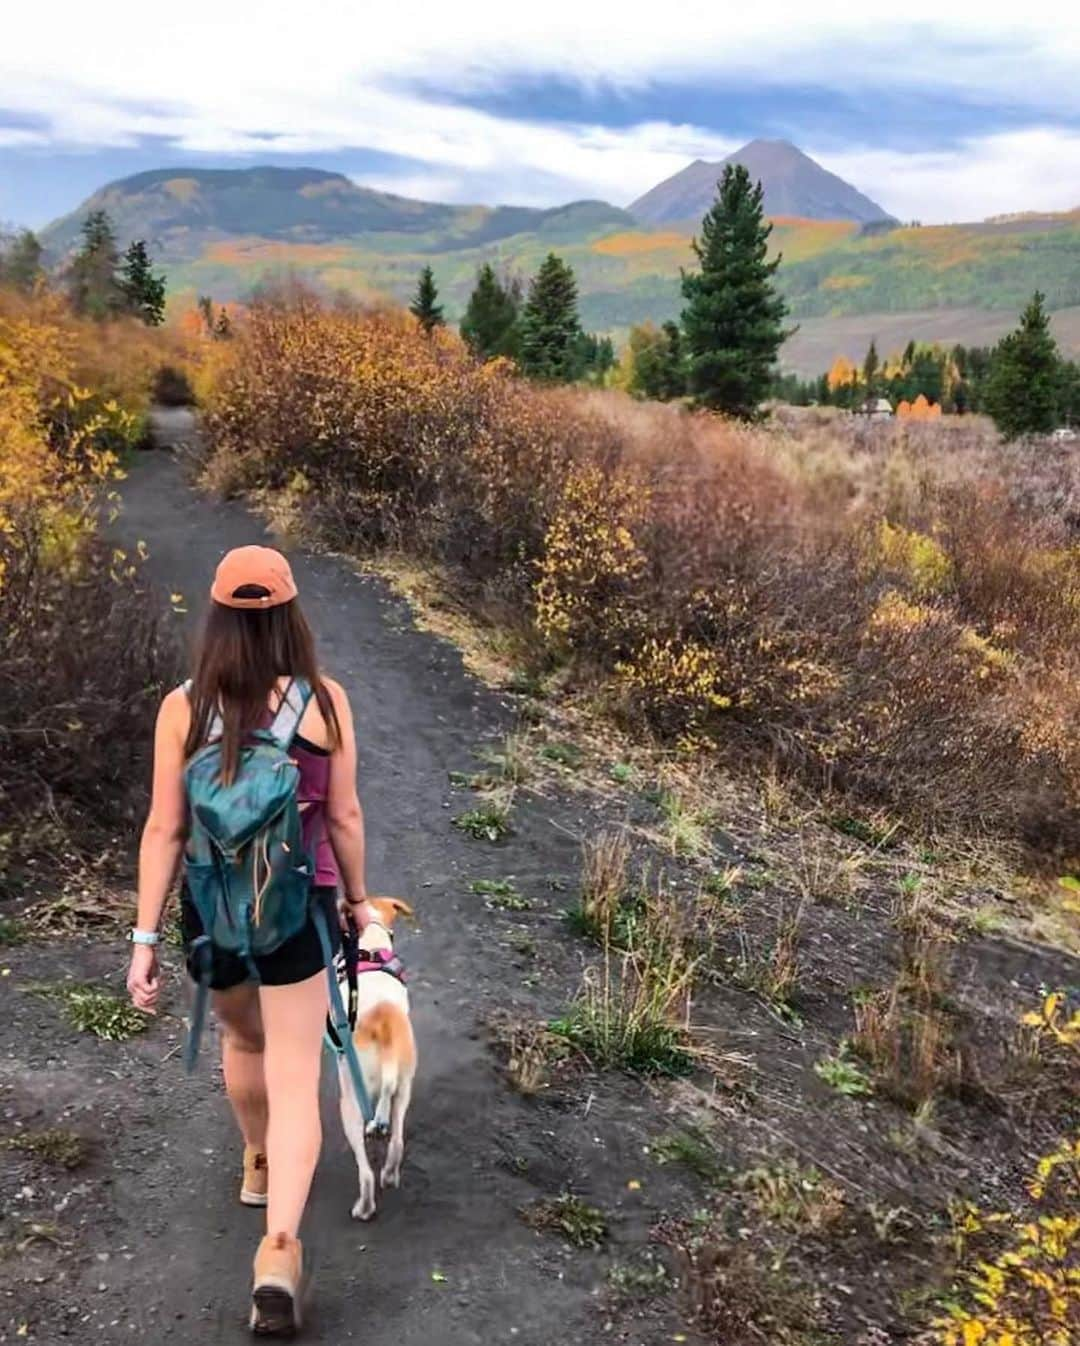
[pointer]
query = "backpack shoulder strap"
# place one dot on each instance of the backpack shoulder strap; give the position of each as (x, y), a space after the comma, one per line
(291, 711)
(217, 725)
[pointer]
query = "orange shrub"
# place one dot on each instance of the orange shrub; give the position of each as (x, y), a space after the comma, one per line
(882, 621)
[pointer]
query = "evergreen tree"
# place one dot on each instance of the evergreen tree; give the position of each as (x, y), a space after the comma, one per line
(143, 291)
(1069, 393)
(488, 324)
(95, 290)
(871, 366)
(1025, 376)
(672, 369)
(20, 260)
(205, 305)
(549, 323)
(424, 309)
(733, 319)
(592, 357)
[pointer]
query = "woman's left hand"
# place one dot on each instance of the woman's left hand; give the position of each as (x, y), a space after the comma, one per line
(144, 978)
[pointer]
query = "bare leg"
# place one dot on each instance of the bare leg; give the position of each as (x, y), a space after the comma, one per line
(237, 1012)
(293, 1021)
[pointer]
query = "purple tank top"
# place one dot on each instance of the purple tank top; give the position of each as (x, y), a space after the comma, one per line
(314, 764)
(311, 792)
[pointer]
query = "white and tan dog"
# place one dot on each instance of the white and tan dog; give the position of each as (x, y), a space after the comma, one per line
(387, 1052)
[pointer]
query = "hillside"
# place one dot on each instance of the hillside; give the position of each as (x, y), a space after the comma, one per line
(794, 185)
(180, 212)
(221, 232)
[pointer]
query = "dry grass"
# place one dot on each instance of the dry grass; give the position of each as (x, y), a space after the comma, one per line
(531, 1050)
(603, 882)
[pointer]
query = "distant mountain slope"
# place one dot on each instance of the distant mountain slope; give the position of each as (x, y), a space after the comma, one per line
(794, 185)
(180, 211)
(220, 233)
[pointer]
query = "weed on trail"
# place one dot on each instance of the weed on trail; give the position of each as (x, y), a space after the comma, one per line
(632, 1010)
(63, 1149)
(738, 1294)
(843, 1074)
(92, 1009)
(12, 932)
(580, 1224)
(489, 822)
(603, 885)
(531, 1052)
(500, 894)
(639, 1281)
(691, 1148)
(793, 1198)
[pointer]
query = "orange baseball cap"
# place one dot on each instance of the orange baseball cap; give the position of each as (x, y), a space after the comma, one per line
(255, 569)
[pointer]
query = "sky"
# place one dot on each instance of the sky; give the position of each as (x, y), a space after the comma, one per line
(939, 112)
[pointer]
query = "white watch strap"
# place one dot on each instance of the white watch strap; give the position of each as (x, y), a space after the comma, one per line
(145, 937)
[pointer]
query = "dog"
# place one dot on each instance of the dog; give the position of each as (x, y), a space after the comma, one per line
(386, 1050)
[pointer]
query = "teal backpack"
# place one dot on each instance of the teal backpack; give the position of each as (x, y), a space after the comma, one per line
(246, 867)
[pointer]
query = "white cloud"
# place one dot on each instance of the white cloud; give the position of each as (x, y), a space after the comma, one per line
(229, 78)
(1036, 169)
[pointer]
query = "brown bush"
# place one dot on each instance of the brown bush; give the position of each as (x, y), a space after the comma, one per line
(882, 616)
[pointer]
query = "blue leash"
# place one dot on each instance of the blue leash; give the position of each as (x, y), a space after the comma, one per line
(343, 1044)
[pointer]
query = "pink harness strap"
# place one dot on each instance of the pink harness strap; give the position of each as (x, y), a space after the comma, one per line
(381, 960)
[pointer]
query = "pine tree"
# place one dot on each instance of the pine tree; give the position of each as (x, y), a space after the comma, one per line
(550, 327)
(424, 309)
(20, 260)
(870, 368)
(733, 319)
(143, 291)
(673, 371)
(1069, 392)
(1025, 376)
(95, 290)
(488, 324)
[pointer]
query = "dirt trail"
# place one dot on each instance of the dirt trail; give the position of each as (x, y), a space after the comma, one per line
(147, 1241)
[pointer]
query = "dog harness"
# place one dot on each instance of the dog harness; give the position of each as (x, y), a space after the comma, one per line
(380, 960)
(356, 961)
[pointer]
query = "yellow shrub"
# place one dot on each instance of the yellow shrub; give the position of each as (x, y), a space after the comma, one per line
(1027, 1292)
(589, 551)
(683, 676)
(918, 558)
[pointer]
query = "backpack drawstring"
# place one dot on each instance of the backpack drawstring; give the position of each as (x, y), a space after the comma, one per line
(260, 888)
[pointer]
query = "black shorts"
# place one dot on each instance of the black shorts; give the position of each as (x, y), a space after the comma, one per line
(296, 960)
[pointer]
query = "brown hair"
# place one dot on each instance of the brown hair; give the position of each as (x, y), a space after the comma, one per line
(240, 656)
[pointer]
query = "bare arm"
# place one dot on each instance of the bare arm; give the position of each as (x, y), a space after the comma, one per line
(165, 831)
(162, 843)
(344, 816)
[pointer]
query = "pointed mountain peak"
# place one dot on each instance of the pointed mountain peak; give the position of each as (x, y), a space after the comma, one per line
(794, 185)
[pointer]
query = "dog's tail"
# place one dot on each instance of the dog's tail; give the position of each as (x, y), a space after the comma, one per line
(386, 1028)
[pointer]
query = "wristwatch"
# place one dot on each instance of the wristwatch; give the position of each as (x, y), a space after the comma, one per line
(145, 937)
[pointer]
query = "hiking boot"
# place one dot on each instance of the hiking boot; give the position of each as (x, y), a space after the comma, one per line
(253, 1190)
(275, 1296)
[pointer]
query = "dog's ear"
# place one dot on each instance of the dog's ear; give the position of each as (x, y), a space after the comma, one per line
(390, 908)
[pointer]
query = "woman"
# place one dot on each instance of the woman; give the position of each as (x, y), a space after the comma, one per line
(254, 642)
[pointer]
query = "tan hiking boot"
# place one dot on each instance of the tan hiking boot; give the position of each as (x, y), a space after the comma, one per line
(275, 1295)
(256, 1176)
